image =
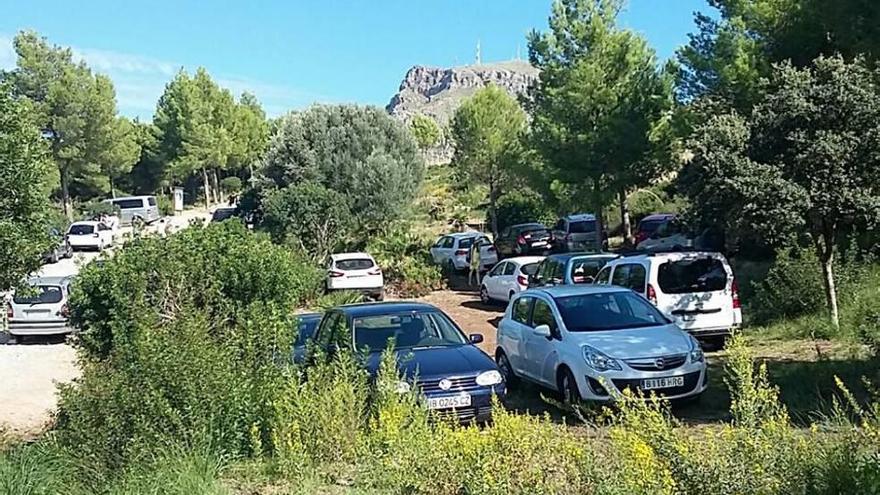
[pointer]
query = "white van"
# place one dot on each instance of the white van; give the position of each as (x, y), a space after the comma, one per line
(143, 208)
(696, 289)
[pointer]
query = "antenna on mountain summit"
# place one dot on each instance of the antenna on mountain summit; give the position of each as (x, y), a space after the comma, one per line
(478, 58)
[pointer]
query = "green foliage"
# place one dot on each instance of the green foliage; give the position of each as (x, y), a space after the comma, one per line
(179, 343)
(94, 209)
(425, 131)
(522, 206)
(357, 151)
(487, 130)
(90, 145)
(602, 108)
(405, 261)
(308, 216)
(231, 185)
(24, 207)
(166, 206)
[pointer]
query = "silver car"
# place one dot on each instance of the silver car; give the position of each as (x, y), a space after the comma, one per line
(41, 310)
(143, 208)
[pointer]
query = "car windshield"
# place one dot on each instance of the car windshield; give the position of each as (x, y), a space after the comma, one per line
(582, 226)
(307, 327)
(529, 269)
(81, 229)
(584, 270)
(41, 294)
(413, 330)
(608, 311)
(355, 264)
(692, 275)
(223, 214)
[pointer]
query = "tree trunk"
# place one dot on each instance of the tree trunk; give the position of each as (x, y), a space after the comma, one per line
(218, 193)
(65, 190)
(826, 257)
(492, 210)
(600, 221)
(112, 189)
(624, 219)
(207, 188)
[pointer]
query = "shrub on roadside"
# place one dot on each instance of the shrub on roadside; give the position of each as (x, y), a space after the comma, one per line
(522, 206)
(405, 260)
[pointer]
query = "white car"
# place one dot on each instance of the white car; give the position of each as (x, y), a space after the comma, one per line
(356, 272)
(42, 310)
(697, 290)
(89, 235)
(452, 251)
(508, 278)
(592, 342)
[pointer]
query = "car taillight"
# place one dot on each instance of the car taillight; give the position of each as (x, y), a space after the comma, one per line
(520, 240)
(375, 272)
(334, 273)
(491, 249)
(9, 313)
(461, 252)
(652, 294)
(522, 280)
(734, 293)
(64, 312)
(641, 236)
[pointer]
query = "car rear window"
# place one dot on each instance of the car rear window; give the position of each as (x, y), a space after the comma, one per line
(585, 270)
(41, 294)
(129, 204)
(355, 264)
(151, 201)
(529, 269)
(466, 242)
(582, 226)
(608, 311)
(692, 275)
(81, 230)
(649, 226)
(531, 228)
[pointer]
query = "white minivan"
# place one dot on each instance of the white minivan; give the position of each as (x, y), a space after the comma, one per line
(696, 289)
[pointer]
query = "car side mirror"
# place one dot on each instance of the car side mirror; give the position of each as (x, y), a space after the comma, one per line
(476, 338)
(543, 331)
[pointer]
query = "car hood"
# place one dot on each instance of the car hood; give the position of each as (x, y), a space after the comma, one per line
(437, 361)
(637, 342)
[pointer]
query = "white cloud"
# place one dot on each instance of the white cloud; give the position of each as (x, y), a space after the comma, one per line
(140, 81)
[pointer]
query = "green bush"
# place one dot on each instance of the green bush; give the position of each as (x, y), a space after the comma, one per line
(166, 206)
(231, 185)
(94, 209)
(405, 260)
(522, 206)
(180, 336)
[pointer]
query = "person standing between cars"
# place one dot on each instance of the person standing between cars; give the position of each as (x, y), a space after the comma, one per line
(475, 263)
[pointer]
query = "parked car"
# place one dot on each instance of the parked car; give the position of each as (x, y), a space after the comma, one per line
(142, 208)
(356, 272)
(223, 213)
(591, 342)
(89, 235)
(308, 323)
(60, 249)
(576, 233)
(524, 239)
(507, 278)
(649, 224)
(569, 269)
(452, 251)
(42, 310)
(433, 354)
(697, 290)
(668, 235)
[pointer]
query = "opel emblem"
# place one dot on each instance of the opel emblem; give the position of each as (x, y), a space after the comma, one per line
(659, 363)
(445, 384)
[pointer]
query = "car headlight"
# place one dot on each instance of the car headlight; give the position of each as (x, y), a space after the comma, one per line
(599, 361)
(488, 378)
(402, 387)
(697, 355)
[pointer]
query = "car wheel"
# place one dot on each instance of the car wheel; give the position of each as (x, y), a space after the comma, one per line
(506, 369)
(53, 258)
(484, 295)
(450, 267)
(69, 253)
(568, 388)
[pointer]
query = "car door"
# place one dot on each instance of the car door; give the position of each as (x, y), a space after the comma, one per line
(514, 333)
(105, 234)
(541, 354)
(442, 249)
(492, 280)
(507, 281)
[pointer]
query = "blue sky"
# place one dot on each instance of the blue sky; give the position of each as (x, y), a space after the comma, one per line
(293, 53)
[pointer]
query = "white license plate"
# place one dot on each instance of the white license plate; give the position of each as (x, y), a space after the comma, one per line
(668, 382)
(455, 401)
(539, 243)
(688, 317)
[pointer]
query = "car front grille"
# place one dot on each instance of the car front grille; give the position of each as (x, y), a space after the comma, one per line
(464, 415)
(690, 383)
(661, 363)
(460, 384)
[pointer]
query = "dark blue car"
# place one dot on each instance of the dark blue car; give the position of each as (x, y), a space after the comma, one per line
(308, 323)
(454, 375)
